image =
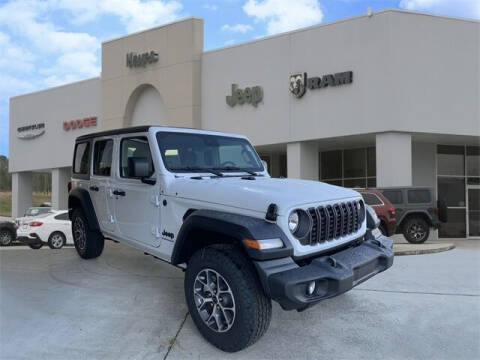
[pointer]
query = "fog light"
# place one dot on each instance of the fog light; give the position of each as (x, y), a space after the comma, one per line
(311, 288)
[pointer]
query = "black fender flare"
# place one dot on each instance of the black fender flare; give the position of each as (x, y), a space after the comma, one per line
(234, 226)
(79, 197)
(414, 212)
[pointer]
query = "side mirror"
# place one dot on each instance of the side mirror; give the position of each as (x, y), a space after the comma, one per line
(138, 167)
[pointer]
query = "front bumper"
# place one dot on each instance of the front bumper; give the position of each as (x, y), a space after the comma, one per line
(286, 282)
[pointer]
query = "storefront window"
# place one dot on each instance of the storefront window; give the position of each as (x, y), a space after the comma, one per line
(456, 225)
(353, 168)
(473, 160)
(452, 191)
(451, 160)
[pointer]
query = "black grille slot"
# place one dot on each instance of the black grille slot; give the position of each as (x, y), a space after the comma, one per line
(333, 221)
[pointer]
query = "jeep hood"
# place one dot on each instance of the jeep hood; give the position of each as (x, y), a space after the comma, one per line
(258, 194)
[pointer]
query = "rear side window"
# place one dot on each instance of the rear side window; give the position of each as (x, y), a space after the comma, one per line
(395, 196)
(62, 216)
(102, 157)
(135, 147)
(418, 196)
(371, 199)
(81, 157)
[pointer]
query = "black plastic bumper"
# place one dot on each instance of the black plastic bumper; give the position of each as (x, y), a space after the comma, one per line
(287, 283)
(32, 239)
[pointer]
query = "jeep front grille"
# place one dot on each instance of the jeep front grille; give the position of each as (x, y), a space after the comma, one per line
(334, 221)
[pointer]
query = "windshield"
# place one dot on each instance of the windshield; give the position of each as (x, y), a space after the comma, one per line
(185, 152)
(37, 211)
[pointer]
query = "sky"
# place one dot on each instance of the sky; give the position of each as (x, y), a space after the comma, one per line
(53, 42)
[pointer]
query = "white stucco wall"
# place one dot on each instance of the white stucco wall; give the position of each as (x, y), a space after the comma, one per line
(54, 148)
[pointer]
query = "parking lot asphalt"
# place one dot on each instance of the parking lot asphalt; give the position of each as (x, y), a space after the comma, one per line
(125, 305)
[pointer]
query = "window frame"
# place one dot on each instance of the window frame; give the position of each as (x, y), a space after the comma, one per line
(99, 140)
(84, 176)
(394, 190)
(410, 191)
(62, 214)
(129, 137)
(372, 194)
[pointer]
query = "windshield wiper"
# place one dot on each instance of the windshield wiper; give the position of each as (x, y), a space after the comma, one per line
(235, 168)
(197, 168)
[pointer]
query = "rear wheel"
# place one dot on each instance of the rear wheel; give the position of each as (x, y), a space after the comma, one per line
(88, 243)
(416, 230)
(225, 298)
(56, 240)
(6, 237)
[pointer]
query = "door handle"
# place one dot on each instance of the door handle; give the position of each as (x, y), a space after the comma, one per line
(93, 188)
(119, 192)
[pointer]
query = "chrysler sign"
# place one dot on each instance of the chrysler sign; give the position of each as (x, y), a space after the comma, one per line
(31, 131)
(299, 83)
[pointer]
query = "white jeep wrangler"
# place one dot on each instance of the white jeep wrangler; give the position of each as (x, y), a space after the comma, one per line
(203, 201)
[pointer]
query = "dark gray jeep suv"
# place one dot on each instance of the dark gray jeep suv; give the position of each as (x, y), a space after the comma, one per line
(416, 211)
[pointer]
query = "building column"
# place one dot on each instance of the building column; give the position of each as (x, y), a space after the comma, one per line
(60, 179)
(302, 160)
(22, 190)
(394, 159)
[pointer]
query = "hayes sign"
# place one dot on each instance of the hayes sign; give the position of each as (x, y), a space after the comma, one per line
(300, 82)
(141, 60)
(80, 123)
(249, 95)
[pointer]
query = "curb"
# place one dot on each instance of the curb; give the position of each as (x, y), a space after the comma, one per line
(420, 249)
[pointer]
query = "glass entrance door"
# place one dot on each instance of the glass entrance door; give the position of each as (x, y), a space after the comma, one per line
(473, 210)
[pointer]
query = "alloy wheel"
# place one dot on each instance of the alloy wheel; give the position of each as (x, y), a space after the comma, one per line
(5, 237)
(57, 241)
(417, 231)
(79, 233)
(214, 300)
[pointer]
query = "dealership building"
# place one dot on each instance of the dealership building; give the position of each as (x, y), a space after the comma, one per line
(377, 100)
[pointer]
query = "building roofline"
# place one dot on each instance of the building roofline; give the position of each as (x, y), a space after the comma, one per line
(55, 87)
(339, 21)
(153, 28)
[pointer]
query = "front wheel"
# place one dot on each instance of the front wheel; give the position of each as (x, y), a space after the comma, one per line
(416, 230)
(88, 243)
(225, 298)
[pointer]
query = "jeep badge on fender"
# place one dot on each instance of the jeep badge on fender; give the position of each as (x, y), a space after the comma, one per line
(243, 238)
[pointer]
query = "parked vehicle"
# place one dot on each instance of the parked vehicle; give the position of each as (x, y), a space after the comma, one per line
(383, 208)
(53, 229)
(203, 201)
(416, 211)
(8, 232)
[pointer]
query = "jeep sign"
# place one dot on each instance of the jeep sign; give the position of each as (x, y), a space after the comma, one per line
(249, 95)
(299, 82)
(141, 60)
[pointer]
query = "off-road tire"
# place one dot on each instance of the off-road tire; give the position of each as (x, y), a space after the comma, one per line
(51, 239)
(6, 237)
(413, 228)
(253, 310)
(36, 246)
(89, 245)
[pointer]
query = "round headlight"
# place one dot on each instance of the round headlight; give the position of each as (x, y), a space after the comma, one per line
(293, 220)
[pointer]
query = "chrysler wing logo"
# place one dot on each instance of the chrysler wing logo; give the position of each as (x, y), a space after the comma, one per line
(31, 131)
(298, 84)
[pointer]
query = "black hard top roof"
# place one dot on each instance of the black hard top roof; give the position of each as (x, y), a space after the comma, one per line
(128, 130)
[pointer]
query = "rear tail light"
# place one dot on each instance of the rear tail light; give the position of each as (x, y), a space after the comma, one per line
(392, 211)
(35, 223)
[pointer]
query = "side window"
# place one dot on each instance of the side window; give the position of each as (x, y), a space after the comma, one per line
(371, 199)
(62, 216)
(81, 157)
(102, 157)
(131, 148)
(418, 196)
(395, 196)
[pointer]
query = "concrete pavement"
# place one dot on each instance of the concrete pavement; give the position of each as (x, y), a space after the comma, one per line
(125, 305)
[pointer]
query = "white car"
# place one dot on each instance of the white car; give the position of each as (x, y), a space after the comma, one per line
(52, 228)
